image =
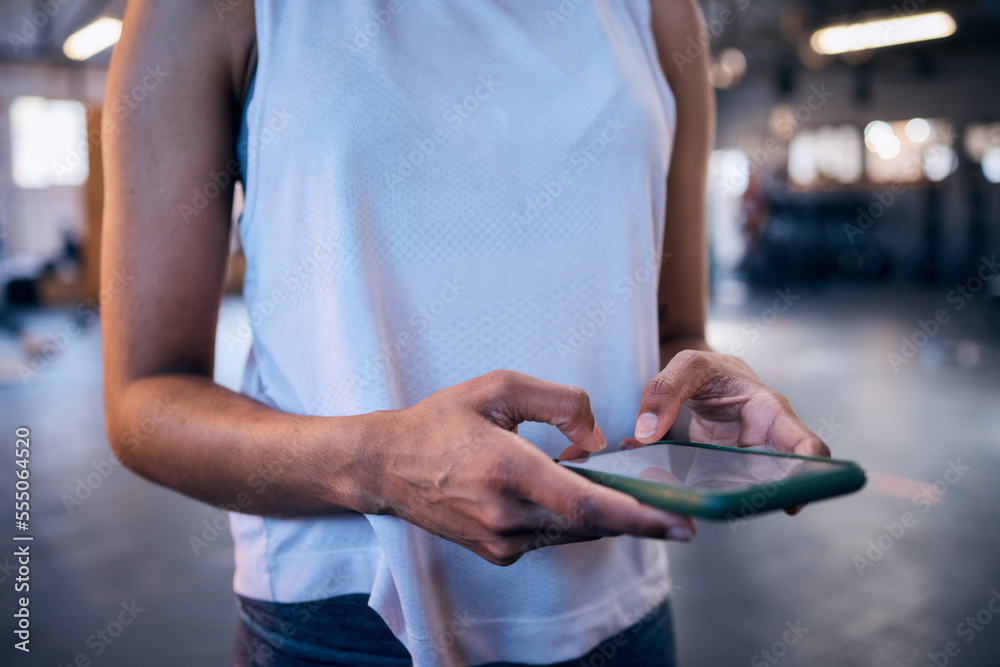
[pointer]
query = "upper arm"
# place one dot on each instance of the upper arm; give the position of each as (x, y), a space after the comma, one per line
(168, 125)
(684, 273)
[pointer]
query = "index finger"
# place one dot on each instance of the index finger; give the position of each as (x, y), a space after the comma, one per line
(517, 397)
(590, 508)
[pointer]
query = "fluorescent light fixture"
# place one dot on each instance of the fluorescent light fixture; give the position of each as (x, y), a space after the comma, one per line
(887, 31)
(93, 38)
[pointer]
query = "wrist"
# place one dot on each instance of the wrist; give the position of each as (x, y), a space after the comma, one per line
(669, 347)
(354, 460)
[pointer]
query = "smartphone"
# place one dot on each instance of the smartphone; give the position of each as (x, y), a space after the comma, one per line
(715, 482)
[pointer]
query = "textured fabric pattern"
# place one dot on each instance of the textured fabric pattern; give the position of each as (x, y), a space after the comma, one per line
(436, 190)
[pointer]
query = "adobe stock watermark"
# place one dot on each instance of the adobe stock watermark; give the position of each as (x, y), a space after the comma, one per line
(714, 27)
(119, 109)
(552, 532)
(777, 650)
(31, 23)
(364, 33)
(453, 117)
(922, 502)
(223, 7)
(635, 620)
(967, 630)
(335, 583)
(263, 307)
(85, 312)
(419, 321)
(444, 639)
(218, 181)
(560, 11)
(751, 507)
(129, 101)
(86, 485)
(867, 216)
(885, 199)
(580, 159)
(594, 319)
(753, 328)
(257, 482)
(757, 157)
(900, 11)
(957, 297)
(103, 638)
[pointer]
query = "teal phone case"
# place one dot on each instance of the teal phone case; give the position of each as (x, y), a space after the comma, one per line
(733, 505)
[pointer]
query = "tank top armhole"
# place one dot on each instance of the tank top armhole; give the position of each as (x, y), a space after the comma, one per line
(244, 133)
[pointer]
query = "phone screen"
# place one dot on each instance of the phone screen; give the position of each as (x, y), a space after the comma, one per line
(702, 468)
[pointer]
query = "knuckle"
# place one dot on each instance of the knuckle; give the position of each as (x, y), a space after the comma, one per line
(580, 403)
(499, 521)
(775, 400)
(579, 397)
(501, 472)
(816, 447)
(692, 360)
(583, 509)
(659, 386)
(501, 382)
(503, 552)
(686, 356)
(783, 402)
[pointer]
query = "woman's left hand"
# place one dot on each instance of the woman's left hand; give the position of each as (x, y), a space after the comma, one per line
(728, 406)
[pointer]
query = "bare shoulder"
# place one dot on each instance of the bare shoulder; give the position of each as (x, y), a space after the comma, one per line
(677, 27)
(671, 16)
(193, 38)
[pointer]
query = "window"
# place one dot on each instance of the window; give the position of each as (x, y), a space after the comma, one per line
(982, 145)
(48, 142)
(830, 154)
(909, 151)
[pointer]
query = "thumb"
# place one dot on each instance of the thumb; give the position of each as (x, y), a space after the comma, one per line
(657, 411)
(663, 396)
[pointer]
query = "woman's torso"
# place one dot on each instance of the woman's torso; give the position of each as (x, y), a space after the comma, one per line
(436, 190)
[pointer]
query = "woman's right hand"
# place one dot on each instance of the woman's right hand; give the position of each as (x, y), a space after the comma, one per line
(456, 467)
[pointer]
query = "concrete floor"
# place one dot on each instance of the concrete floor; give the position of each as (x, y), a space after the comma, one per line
(738, 587)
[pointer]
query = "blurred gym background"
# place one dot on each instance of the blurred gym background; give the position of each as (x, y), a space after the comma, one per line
(855, 226)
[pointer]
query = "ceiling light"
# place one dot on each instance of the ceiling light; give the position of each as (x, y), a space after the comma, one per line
(939, 163)
(876, 132)
(991, 165)
(881, 140)
(882, 32)
(888, 148)
(93, 38)
(918, 130)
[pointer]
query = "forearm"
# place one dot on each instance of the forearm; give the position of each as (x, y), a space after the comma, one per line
(189, 434)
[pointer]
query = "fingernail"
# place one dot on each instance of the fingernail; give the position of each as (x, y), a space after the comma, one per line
(679, 534)
(645, 425)
(599, 434)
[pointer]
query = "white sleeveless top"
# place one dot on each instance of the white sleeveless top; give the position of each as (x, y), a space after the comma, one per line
(436, 190)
